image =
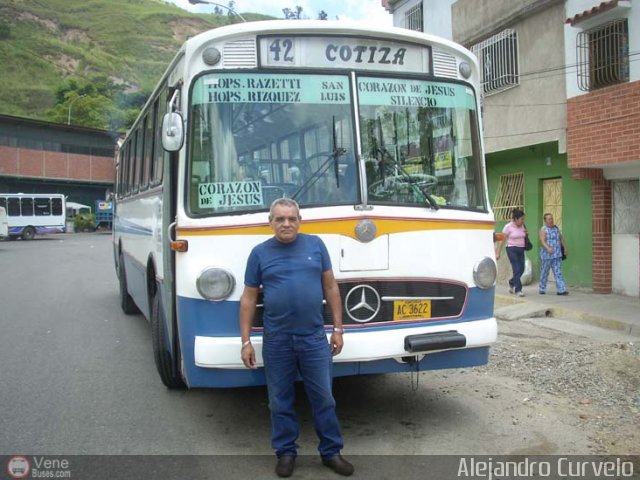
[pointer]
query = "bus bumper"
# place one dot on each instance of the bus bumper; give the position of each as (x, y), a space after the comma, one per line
(362, 345)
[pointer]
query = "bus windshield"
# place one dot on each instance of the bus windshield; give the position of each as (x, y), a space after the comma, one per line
(256, 137)
(420, 143)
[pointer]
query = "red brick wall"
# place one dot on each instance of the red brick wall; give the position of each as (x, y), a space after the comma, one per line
(601, 226)
(24, 162)
(8, 160)
(603, 126)
(31, 163)
(55, 165)
(79, 165)
(103, 168)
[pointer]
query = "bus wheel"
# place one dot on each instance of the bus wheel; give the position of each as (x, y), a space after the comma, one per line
(169, 376)
(28, 233)
(126, 301)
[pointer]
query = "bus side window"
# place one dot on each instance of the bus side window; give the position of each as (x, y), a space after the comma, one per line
(13, 205)
(42, 207)
(26, 207)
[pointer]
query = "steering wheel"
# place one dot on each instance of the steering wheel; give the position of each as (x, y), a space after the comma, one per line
(401, 184)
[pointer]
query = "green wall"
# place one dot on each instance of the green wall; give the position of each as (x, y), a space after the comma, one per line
(576, 205)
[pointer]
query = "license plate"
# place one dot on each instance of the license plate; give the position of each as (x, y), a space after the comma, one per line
(411, 309)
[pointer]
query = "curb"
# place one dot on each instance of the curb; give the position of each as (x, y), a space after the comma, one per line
(573, 314)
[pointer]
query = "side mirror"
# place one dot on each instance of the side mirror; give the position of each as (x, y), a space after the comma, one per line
(172, 132)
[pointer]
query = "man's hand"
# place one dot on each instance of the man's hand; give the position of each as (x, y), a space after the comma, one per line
(337, 342)
(248, 355)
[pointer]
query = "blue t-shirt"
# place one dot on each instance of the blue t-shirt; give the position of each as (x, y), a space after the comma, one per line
(291, 279)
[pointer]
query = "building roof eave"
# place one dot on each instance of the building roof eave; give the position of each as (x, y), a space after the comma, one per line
(598, 9)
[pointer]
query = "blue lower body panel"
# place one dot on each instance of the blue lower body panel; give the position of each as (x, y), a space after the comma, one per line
(203, 318)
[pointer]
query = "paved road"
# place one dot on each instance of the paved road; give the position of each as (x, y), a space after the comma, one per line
(78, 377)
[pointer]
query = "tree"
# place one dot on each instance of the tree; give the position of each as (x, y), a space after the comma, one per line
(322, 15)
(5, 31)
(96, 102)
(295, 14)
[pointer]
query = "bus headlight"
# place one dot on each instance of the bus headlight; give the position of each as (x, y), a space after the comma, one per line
(216, 284)
(485, 273)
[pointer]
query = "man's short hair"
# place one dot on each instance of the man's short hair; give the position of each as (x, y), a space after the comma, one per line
(285, 202)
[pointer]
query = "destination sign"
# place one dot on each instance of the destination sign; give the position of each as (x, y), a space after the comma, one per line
(271, 88)
(414, 93)
(229, 194)
(344, 52)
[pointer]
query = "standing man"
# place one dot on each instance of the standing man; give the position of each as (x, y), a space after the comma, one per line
(552, 249)
(295, 271)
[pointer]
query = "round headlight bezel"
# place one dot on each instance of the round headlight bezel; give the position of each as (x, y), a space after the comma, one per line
(465, 69)
(215, 283)
(485, 272)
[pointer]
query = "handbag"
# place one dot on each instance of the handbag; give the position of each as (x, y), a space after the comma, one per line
(564, 255)
(527, 243)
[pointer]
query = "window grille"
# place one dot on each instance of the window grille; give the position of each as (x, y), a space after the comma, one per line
(510, 195)
(603, 55)
(413, 18)
(498, 57)
(626, 199)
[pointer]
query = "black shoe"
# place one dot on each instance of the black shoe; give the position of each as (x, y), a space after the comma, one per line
(284, 467)
(563, 293)
(338, 465)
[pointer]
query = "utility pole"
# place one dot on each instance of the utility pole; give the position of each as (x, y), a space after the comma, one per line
(71, 103)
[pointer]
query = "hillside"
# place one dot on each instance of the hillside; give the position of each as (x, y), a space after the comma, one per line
(52, 49)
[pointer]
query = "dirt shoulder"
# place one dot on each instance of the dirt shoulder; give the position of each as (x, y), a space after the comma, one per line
(593, 384)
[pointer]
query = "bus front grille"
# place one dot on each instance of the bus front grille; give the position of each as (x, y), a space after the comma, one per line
(370, 302)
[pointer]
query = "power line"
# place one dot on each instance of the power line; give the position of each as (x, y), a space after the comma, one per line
(524, 133)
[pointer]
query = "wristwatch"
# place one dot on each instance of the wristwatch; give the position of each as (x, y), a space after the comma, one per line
(338, 330)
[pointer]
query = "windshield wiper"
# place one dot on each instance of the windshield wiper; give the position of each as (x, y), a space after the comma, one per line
(335, 156)
(386, 154)
(429, 199)
(336, 162)
(331, 157)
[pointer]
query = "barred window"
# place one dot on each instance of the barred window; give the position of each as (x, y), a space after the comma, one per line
(626, 199)
(510, 195)
(498, 57)
(413, 18)
(603, 55)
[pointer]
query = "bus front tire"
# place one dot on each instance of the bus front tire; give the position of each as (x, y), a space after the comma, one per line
(127, 304)
(28, 233)
(169, 376)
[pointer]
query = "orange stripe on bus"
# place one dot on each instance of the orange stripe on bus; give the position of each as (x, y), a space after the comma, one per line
(342, 227)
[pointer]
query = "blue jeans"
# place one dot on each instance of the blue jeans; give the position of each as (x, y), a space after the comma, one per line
(284, 357)
(516, 258)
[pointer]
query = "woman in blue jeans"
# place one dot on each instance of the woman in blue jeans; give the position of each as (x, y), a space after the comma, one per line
(514, 232)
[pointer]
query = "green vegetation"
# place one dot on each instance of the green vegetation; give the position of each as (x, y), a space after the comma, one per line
(92, 62)
(84, 222)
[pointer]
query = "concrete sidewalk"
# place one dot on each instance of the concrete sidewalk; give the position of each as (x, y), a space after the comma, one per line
(613, 312)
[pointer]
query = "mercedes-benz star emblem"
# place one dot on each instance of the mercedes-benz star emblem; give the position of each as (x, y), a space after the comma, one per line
(365, 230)
(362, 303)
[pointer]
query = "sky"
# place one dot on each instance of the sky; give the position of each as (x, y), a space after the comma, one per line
(369, 11)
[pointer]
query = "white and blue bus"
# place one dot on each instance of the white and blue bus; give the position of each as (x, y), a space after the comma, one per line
(31, 213)
(375, 133)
